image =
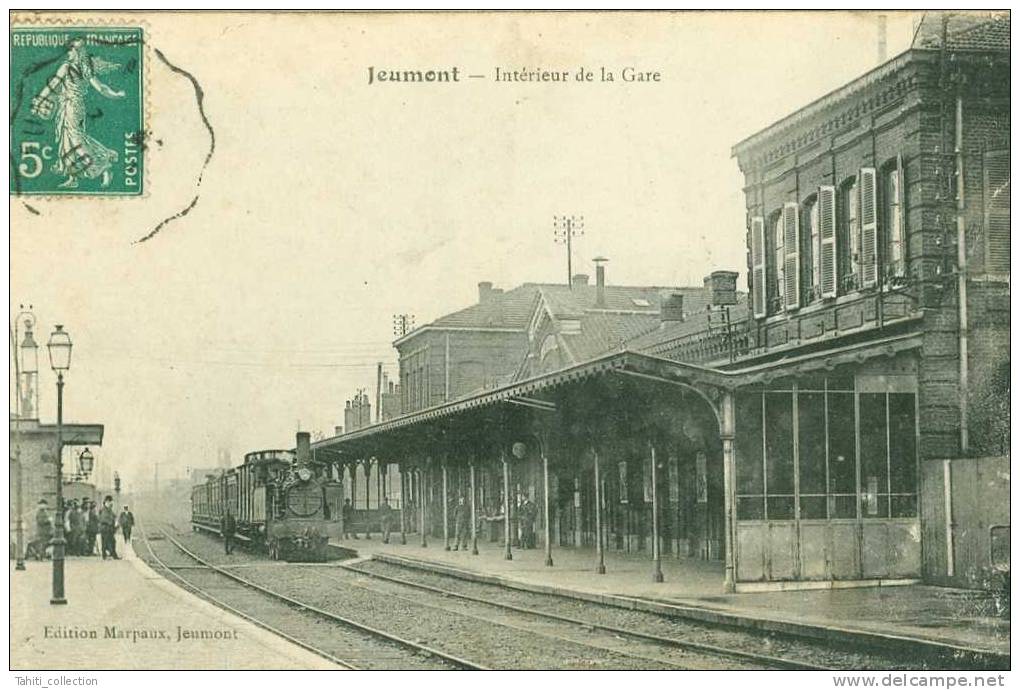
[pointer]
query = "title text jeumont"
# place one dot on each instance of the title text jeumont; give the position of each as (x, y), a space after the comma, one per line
(135, 635)
(377, 75)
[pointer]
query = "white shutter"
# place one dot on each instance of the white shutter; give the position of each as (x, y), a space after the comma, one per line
(997, 212)
(827, 234)
(758, 266)
(869, 227)
(791, 255)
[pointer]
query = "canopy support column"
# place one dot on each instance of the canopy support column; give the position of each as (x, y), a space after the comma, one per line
(474, 514)
(446, 508)
(506, 506)
(424, 510)
(729, 472)
(600, 566)
(403, 504)
(545, 507)
(368, 497)
(656, 556)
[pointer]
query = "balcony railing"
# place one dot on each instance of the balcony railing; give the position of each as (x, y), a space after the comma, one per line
(730, 340)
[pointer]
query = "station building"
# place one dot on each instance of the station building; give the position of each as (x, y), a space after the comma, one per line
(844, 422)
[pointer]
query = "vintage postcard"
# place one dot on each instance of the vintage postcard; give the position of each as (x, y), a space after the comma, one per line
(511, 341)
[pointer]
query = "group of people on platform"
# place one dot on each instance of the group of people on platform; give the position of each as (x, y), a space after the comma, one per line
(526, 517)
(82, 521)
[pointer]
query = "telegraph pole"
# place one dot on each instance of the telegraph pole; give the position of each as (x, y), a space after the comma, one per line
(402, 324)
(565, 229)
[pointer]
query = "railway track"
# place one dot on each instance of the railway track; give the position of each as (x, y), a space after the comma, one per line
(510, 628)
(756, 659)
(347, 643)
(767, 650)
(500, 638)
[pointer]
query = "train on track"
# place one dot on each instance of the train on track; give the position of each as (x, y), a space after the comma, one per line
(281, 501)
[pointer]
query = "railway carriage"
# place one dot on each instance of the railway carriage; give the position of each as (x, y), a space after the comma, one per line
(280, 499)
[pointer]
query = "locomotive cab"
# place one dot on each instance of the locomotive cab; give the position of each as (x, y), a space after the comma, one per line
(282, 501)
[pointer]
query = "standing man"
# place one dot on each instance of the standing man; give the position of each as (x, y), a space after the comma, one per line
(91, 529)
(107, 528)
(76, 530)
(228, 526)
(462, 524)
(529, 511)
(126, 521)
(43, 531)
(385, 520)
(83, 514)
(347, 515)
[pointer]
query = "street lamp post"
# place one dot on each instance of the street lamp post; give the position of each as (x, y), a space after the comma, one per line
(26, 372)
(59, 347)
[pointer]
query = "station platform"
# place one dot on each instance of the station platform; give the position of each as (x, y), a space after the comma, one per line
(907, 616)
(122, 615)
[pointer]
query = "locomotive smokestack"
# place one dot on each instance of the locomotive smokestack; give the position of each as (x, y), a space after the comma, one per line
(304, 447)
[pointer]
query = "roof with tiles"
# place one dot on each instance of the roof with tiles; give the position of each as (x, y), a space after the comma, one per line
(603, 332)
(984, 31)
(662, 339)
(565, 302)
(514, 308)
(965, 31)
(511, 309)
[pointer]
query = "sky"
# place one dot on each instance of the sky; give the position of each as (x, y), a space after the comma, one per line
(330, 204)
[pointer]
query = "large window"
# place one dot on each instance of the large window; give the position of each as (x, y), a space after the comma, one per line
(750, 454)
(779, 472)
(810, 254)
(892, 222)
(778, 259)
(848, 236)
(797, 452)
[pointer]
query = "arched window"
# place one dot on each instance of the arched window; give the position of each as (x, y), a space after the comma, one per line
(848, 236)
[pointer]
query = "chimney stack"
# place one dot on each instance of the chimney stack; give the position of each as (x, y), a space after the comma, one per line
(484, 291)
(721, 287)
(304, 447)
(338, 431)
(672, 309)
(600, 280)
(579, 280)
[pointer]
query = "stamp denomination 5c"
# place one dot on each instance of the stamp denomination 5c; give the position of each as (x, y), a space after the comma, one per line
(77, 121)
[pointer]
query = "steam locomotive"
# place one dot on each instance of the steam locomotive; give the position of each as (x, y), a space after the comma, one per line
(281, 500)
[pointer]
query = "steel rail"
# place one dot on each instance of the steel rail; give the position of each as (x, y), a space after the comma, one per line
(780, 663)
(456, 661)
(198, 591)
(504, 624)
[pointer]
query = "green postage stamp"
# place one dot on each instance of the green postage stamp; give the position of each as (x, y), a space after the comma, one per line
(77, 121)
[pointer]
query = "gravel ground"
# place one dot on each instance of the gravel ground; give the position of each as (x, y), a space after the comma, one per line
(488, 636)
(453, 624)
(353, 646)
(800, 649)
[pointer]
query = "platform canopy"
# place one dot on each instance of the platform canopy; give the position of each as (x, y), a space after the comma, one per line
(540, 392)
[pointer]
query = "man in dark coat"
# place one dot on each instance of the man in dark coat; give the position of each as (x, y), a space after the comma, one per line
(107, 528)
(91, 529)
(462, 524)
(228, 526)
(528, 514)
(126, 522)
(385, 520)
(43, 531)
(347, 516)
(75, 530)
